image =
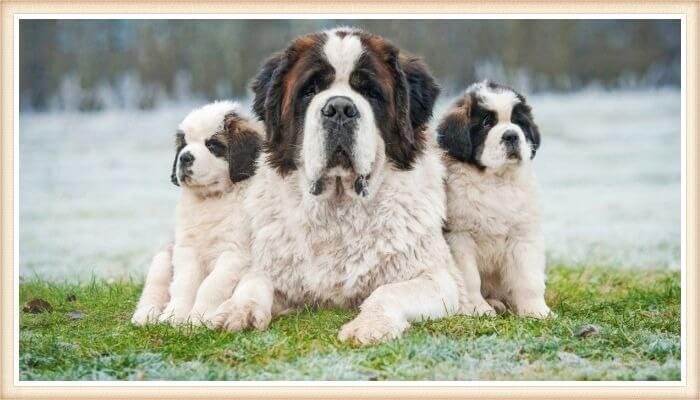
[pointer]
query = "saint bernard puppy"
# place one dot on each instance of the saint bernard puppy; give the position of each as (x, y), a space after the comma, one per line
(216, 151)
(348, 204)
(490, 138)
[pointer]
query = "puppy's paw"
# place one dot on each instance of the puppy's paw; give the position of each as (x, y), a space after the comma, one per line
(534, 309)
(235, 317)
(174, 314)
(202, 315)
(371, 327)
(477, 306)
(205, 318)
(498, 306)
(145, 315)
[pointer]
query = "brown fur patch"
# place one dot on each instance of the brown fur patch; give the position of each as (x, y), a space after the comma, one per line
(453, 130)
(300, 53)
(243, 142)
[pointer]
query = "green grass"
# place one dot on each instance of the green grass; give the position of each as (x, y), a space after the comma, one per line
(638, 312)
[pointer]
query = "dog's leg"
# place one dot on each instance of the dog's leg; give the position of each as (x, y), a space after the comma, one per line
(250, 306)
(218, 286)
(187, 275)
(155, 291)
(463, 250)
(386, 313)
(524, 277)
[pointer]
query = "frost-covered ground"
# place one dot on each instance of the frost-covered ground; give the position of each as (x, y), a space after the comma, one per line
(96, 199)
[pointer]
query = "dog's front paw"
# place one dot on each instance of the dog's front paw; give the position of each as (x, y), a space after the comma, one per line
(477, 306)
(208, 319)
(174, 314)
(145, 315)
(372, 327)
(202, 316)
(235, 317)
(498, 305)
(534, 309)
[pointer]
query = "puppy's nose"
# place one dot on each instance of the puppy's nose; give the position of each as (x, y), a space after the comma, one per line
(186, 159)
(339, 108)
(510, 137)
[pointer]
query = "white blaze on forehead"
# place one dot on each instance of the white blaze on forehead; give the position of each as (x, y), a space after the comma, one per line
(203, 122)
(499, 100)
(342, 54)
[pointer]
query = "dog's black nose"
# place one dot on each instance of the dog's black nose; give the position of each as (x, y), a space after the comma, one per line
(510, 137)
(186, 159)
(339, 108)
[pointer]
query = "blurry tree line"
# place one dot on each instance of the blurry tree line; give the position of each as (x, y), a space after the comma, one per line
(95, 64)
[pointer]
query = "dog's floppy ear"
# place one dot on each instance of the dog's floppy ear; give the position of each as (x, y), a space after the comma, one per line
(423, 90)
(179, 144)
(414, 97)
(274, 106)
(453, 132)
(261, 83)
(523, 117)
(243, 153)
(268, 89)
(244, 146)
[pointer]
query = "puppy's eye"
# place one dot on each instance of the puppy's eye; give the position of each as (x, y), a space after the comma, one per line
(487, 121)
(215, 147)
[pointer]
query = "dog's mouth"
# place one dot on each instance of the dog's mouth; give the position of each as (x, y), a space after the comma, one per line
(340, 172)
(512, 152)
(187, 179)
(360, 184)
(340, 158)
(185, 176)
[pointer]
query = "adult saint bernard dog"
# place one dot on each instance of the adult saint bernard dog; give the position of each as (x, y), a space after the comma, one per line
(490, 138)
(348, 205)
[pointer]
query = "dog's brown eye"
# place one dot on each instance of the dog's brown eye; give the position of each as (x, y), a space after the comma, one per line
(310, 91)
(215, 147)
(487, 121)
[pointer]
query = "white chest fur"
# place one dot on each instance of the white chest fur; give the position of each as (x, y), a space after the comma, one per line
(336, 252)
(212, 225)
(487, 204)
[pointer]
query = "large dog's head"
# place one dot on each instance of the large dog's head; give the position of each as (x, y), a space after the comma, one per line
(216, 147)
(337, 104)
(490, 127)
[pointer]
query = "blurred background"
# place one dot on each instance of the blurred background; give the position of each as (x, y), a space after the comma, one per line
(92, 65)
(100, 101)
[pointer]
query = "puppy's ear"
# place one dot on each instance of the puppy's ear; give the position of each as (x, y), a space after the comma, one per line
(453, 132)
(414, 97)
(522, 115)
(179, 144)
(244, 146)
(243, 153)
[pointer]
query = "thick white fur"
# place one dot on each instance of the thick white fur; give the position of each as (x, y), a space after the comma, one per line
(385, 253)
(211, 250)
(494, 222)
